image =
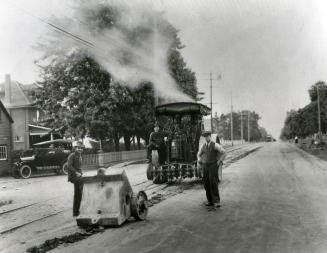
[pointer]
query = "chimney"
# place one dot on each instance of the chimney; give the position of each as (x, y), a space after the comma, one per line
(7, 99)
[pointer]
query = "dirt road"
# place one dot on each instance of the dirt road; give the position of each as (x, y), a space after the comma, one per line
(41, 207)
(273, 201)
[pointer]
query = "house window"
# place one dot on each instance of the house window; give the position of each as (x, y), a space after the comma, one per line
(3, 152)
(19, 139)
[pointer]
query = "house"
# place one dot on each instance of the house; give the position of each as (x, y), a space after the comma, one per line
(5, 139)
(19, 102)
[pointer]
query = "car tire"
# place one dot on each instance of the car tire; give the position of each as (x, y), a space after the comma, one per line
(64, 168)
(25, 171)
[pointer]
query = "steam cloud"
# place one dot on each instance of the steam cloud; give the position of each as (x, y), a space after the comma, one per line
(131, 60)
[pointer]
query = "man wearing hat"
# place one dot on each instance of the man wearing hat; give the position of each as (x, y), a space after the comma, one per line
(209, 157)
(75, 175)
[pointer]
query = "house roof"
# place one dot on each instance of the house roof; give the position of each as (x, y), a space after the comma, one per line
(21, 95)
(3, 108)
(40, 127)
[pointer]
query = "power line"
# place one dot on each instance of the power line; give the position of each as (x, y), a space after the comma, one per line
(79, 39)
(56, 27)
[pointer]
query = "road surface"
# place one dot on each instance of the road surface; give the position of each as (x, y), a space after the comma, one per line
(273, 200)
(37, 209)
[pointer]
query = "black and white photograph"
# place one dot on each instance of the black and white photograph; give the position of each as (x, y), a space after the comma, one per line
(149, 126)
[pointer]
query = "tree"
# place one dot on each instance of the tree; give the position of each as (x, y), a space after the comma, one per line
(78, 93)
(73, 93)
(223, 125)
(304, 122)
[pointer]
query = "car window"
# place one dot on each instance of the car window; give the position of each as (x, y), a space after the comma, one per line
(28, 153)
(42, 152)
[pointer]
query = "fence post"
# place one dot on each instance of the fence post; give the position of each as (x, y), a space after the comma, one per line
(101, 159)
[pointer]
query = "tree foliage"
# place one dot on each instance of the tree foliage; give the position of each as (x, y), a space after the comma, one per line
(83, 98)
(304, 122)
(222, 126)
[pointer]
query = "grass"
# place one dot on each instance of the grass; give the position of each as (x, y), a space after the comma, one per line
(320, 152)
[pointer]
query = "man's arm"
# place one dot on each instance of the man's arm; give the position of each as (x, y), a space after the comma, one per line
(70, 162)
(219, 148)
(221, 151)
(200, 153)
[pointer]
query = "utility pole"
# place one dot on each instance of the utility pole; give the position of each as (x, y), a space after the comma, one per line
(155, 57)
(242, 126)
(231, 118)
(219, 77)
(211, 101)
(249, 126)
(319, 122)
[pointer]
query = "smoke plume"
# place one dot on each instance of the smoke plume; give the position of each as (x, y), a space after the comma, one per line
(129, 41)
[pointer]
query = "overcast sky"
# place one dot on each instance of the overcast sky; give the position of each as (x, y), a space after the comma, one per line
(267, 52)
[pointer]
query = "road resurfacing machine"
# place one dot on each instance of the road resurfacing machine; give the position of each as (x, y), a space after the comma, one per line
(108, 199)
(182, 124)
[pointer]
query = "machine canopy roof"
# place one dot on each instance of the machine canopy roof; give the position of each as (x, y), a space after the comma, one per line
(182, 108)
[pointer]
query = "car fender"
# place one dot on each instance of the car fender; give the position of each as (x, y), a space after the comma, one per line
(28, 158)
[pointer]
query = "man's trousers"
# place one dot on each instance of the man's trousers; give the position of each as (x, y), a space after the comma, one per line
(210, 181)
(78, 191)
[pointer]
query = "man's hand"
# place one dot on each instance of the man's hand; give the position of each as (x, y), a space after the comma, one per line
(78, 174)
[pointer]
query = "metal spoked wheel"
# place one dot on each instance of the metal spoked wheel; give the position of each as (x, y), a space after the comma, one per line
(25, 171)
(139, 206)
(64, 168)
(149, 171)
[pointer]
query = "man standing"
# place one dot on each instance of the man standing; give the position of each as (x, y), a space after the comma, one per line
(156, 142)
(209, 156)
(75, 175)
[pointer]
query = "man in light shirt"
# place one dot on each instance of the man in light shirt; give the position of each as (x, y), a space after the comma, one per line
(209, 157)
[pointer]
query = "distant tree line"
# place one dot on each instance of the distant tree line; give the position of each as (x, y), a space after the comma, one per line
(82, 99)
(304, 122)
(222, 126)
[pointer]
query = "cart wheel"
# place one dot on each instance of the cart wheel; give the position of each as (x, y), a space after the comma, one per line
(139, 206)
(64, 168)
(25, 171)
(149, 171)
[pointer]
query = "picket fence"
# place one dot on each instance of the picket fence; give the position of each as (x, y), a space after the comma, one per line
(104, 159)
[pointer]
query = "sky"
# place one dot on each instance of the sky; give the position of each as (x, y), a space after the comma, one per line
(268, 53)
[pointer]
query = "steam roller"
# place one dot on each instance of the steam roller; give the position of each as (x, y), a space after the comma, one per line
(108, 199)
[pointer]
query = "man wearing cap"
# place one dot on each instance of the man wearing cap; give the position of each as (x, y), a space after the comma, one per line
(209, 156)
(75, 175)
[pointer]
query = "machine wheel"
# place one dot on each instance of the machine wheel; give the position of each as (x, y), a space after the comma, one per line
(157, 180)
(149, 171)
(25, 171)
(139, 206)
(64, 168)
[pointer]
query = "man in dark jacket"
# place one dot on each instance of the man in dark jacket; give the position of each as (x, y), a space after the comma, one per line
(75, 175)
(209, 157)
(157, 142)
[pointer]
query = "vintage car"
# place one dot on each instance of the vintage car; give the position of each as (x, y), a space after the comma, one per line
(48, 156)
(182, 125)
